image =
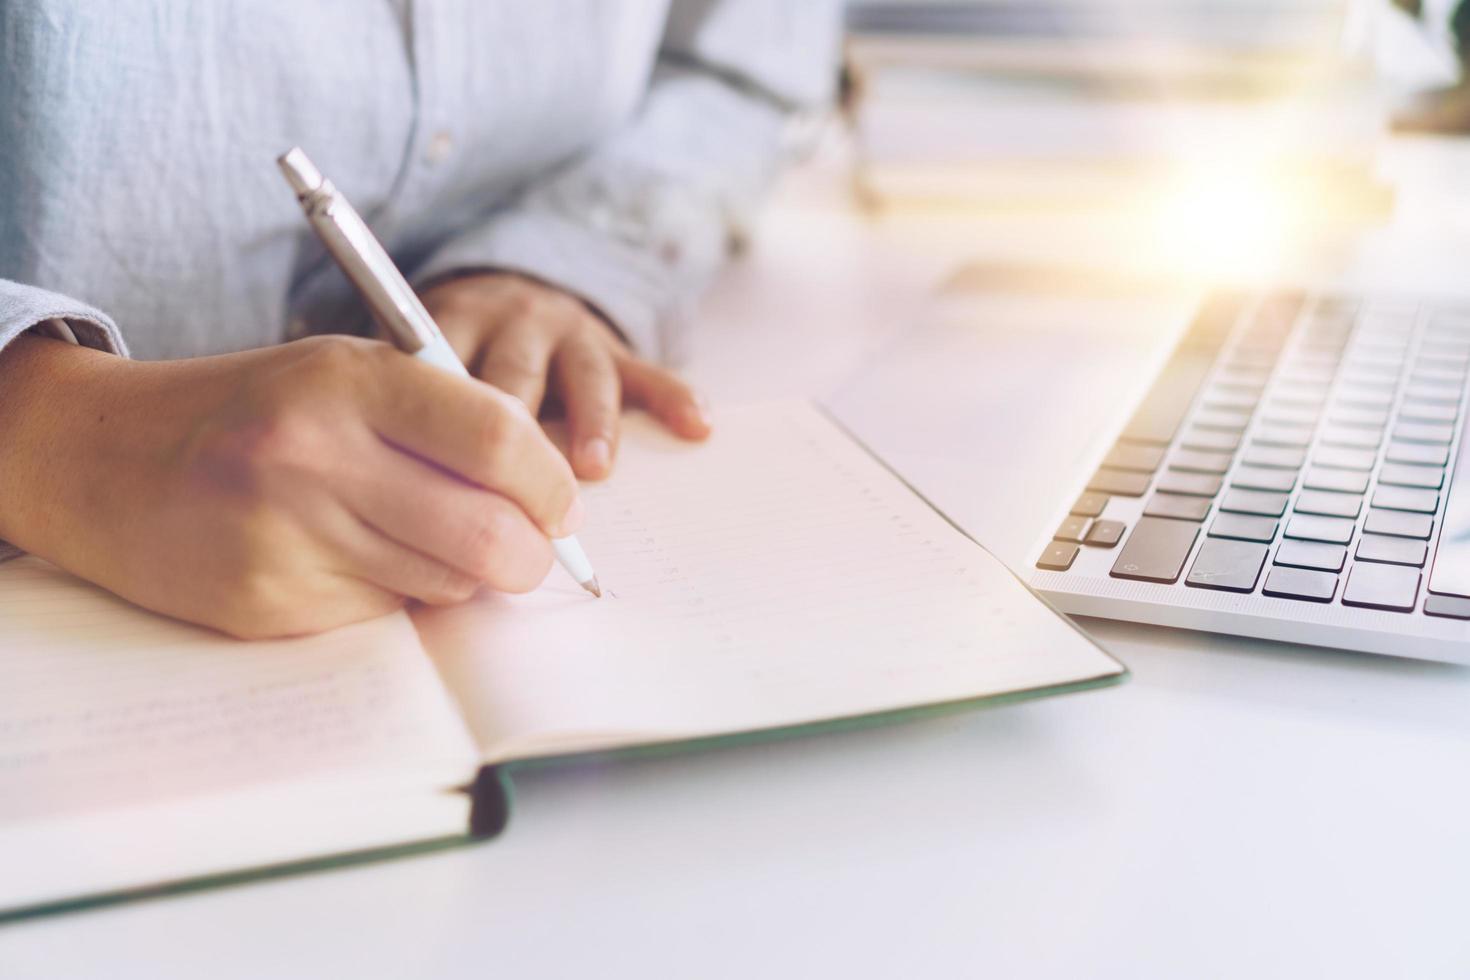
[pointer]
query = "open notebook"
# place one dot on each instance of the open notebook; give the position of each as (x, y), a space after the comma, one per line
(777, 576)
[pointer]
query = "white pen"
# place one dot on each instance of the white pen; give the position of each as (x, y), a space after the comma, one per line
(391, 299)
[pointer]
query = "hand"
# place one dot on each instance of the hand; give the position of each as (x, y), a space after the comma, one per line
(278, 491)
(526, 339)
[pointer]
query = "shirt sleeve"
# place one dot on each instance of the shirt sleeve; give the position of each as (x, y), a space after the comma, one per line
(25, 308)
(637, 226)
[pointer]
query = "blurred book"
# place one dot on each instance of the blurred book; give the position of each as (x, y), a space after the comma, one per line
(1258, 25)
(1088, 104)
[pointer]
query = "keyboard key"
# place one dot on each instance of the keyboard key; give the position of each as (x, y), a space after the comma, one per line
(1299, 583)
(1089, 504)
(1358, 377)
(1134, 456)
(1360, 397)
(1254, 502)
(1424, 455)
(1345, 459)
(1434, 371)
(1343, 481)
(1432, 393)
(1058, 556)
(1328, 503)
(1448, 606)
(1214, 418)
(1261, 478)
(1193, 484)
(1309, 527)
(1283, 435)
(1312, 554)
(1444, 387)
(1307, 374)
(1072, 528)
(1368, 418)
(1231, 566)
(1390, 587)
(1399, 524)
(1195, 461)
(1118, 483)
(1406, 498)
(1363, 364)
(1339, 435)
(1431, 432)
(1280, 457)
(1104, 534)
(1303, 395)
(1177, 507)
(1404, 475)
(1243, 527)
(1412, 411)
(1211, 440)
(1280, 413)
(1395, 551)
(1156, 550)
(1231, 398)
(1243, 377)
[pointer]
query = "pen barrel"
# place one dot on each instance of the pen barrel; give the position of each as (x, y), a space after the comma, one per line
(570, 555)
(363, 260)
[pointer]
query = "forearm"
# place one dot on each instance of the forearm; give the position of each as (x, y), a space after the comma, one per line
(50, 426)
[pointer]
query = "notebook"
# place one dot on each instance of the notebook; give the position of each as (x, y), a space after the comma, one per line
(777, 576)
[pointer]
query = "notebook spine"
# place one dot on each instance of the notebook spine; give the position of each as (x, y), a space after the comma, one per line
(490, 799)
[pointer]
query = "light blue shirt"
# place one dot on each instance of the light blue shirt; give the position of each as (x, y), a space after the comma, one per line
(605, 146)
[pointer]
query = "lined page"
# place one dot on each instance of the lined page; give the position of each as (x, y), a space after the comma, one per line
(777, 574)
(105, 705)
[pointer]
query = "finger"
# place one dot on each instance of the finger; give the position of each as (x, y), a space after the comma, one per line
(587, 380)
(464, 335)
(475, 431)
(516, 360)
(409, 573)
(477, 533)
(670, 400)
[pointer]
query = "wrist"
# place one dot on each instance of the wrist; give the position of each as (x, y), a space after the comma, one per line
(53, 403)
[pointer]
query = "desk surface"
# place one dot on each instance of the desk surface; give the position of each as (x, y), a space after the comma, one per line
(1237, 809)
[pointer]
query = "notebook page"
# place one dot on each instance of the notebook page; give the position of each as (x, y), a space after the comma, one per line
(777, 574)
(105, 705)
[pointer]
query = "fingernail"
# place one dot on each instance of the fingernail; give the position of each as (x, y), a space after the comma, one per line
(575, 515)
(698, 413)
(596, 455)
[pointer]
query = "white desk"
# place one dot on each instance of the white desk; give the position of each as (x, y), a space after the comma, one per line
(1237, 809)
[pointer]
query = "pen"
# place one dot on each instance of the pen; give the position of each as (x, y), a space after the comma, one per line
(391, 299)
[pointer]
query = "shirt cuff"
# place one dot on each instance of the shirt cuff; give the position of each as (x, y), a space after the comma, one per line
(25, 308)
(639, 284)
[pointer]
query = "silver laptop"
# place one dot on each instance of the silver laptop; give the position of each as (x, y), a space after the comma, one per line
(1293, 473)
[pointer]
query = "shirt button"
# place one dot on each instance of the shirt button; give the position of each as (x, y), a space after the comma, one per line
(296, 328)
(441, 144)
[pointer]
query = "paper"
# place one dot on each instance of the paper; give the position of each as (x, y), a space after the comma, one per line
(776, 575)
(103, 704)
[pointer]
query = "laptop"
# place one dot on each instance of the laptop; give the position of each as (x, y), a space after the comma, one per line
(1293, 473)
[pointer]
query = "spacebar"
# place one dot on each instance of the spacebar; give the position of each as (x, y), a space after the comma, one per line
(1451, 572)
(1158, 417)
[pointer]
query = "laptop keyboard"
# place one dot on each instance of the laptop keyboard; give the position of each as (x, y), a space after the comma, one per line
(1293, 446)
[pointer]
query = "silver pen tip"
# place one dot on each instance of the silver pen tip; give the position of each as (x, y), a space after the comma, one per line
(301, 173)
(591, 585)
